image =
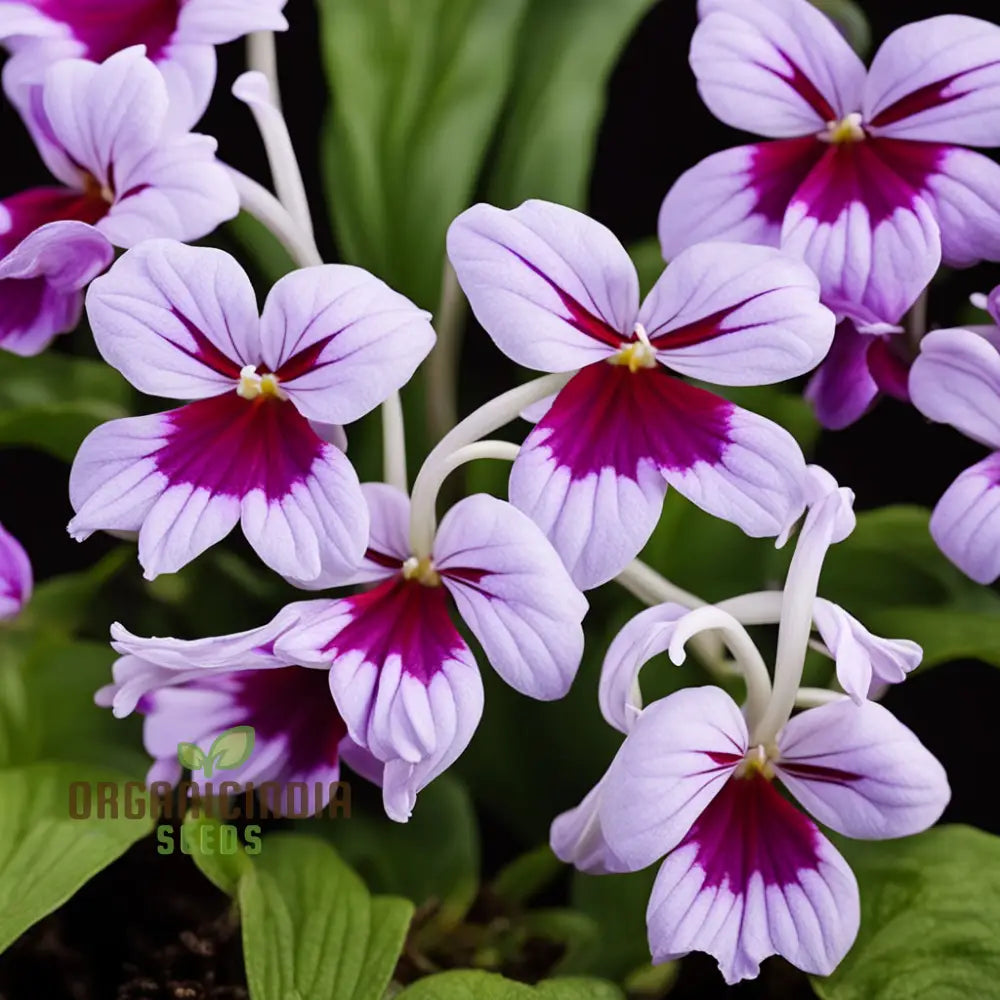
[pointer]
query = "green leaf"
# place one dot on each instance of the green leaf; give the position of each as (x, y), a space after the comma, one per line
(230, 749)
(648, 260)
(266, 255)
(526, 876)
(930, 906)
(851, 21)
(463, 985)
(577, 988)
(224, 871)
(45, 856)
(191, 756)
(310, 928)
(943, 634)
(416, 90)
(53, 401)
(565, 53)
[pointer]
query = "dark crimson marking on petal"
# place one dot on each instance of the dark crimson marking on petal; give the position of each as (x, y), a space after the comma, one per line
(108, 26)
(39, 206)
(610, 418)
(403, 618)
(804, 87)
(206, 352)
(722, 758)
(749, 828)
(777, 169)
(304, 361)
(818, 772)
(579, 318)
(133, 191)
(924, 98)
(706, 328)
(230, 446)
(889, 368)
(469, 577)
(882, 174)
(382, 559)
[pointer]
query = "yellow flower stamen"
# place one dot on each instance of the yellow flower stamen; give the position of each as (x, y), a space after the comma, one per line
(849, 129)
(252, 385)
(422, 570)
(638, 354)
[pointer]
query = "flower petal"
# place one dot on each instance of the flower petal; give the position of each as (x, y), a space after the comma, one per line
(215, 22)
(843, 388)
(680, 753)
(16, 578)
(176, 321)
(966, 521)
(739, 194)
(737, 315)
(937, 80)
(753, 878)
(956, 380)
(646, 635)
(341, 341)
(389, 542)
(553, 288)
(514, 594)
(860, 222)
(774, 67)
(862, 658)
(577, 838)
(860, 771)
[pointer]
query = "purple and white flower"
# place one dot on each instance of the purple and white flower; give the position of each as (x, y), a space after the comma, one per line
(270, 393)
(16, 579)
(867, 177)
(746, 874)
(403, 678)
(102, 132)
(557, 292)
(179, 36)
(956, 380)
(191, 691)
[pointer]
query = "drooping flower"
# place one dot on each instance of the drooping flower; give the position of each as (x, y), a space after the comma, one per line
(956, 380)
(270, 393)
(16, 578)
(868, 178)
(746, 874)
(403, 678)
(557, 292)
(101, 131)
(179, 35)
(190, 692)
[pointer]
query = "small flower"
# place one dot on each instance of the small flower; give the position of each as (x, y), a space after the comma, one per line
(557, 292)
(956, 380)
(270, 393)
(867, 178)
(179, 35)
(15, 576)
(102, 132)
(402, 676)
(189, 692)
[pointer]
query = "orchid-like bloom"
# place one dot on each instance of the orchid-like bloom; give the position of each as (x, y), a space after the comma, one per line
(746, 874)
(868, 179)
(270, 393)
(189, 692)
(179, 35)
(956, 380)
(15, 576)
(557, 292)
(102, 132)
(403, 678)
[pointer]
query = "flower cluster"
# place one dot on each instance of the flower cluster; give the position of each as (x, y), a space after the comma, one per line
(797, 255)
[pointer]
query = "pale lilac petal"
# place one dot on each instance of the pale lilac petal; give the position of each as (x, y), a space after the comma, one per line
(646, 635)
(937, 80)
(740, 194)
(966, 521)
(993, 305)
(341, 341)
(964, 193)
(956, 380)
(389, 536)
(189, 70)
(15, 576)
(774, 67)
(23, 19)
(314, 525)
(177, 190)
(861, 772)
(578, 839)
(680, 753)
(862, 658)
(514, 594)
(843, 389)
(754, 878)
(737, 315)
(553, 288)
(176, 321)
(860, 221)
(214, 22)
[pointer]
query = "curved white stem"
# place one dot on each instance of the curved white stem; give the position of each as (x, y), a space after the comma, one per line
(643, 582)
(814, 697)
(746, 654)
(262, 56)
(270, 213)
(487, 419)
(394, 443)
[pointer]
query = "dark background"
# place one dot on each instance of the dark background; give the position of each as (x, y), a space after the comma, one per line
(655, 128)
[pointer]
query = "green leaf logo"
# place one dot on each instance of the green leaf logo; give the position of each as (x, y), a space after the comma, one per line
(230, 749)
